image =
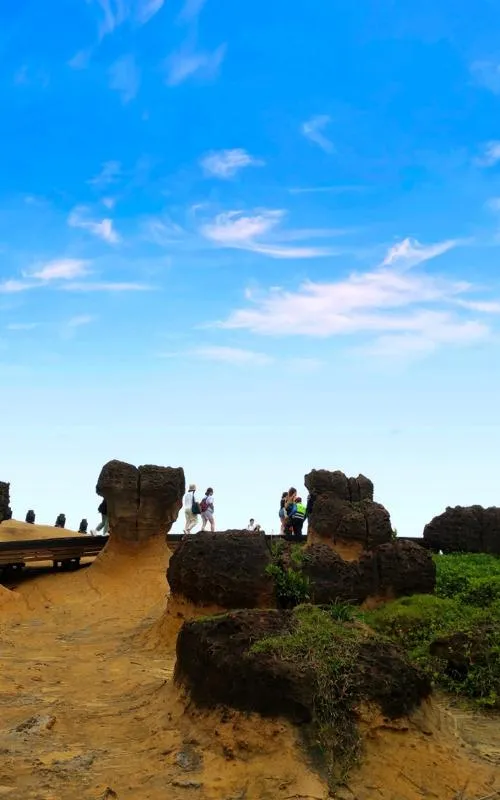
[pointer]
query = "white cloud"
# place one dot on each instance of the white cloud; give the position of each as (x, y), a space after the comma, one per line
(490, 155)
(61, 269)
(114, 14)
(233, 355)
(103, 229)
(105, 286)
(483, 306)
(403, 311)
(226, 163)
(22, 326)
(79, 321)
(234, 229)
(13, 286)
(110, 172)
(188, 63)
(80, 60)
(109, 202)
(124, 77)
(410, 252)
(162, 231)
(313, 130)
(487, 74)
(191, 10)
(147, 9)
(326, 189)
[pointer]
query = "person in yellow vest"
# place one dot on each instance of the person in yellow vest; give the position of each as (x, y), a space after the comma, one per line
(297, 518)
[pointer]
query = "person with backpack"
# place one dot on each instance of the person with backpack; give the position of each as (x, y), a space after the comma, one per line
(104, 523)
(191, 509)
(207, 510)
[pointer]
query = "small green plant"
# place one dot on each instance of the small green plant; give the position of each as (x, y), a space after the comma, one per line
(342, 612)
(328, 652)
(290, 587)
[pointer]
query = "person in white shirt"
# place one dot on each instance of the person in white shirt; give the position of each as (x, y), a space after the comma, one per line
(191, 509)
(207, 510)
(252, 527)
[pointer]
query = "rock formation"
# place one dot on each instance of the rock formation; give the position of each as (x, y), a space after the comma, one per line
(30, 517)
(5, 510)
(83, 526)
(60, 521)
(224, 569)
(343, 513)
(237, 660)
(471, 529)
(142, 502)
(391, 570)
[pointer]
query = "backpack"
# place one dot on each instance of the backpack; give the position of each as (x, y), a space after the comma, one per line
(204, 505)
(195, 506)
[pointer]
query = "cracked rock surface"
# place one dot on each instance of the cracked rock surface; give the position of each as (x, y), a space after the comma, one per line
(142, 501)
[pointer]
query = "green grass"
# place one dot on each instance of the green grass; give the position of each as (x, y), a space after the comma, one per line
(327, 650)
(472, 578)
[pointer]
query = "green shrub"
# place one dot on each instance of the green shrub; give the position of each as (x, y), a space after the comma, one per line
(291, 588)
(455, 573)
(328, 651)
(415, 622)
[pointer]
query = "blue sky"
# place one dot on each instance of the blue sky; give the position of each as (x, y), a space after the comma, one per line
(250, 240)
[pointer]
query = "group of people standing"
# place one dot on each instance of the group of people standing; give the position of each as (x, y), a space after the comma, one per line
(292, 513)
(194, 509)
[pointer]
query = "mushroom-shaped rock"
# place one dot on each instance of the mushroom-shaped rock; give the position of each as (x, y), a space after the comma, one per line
(248, 660)
(5, 510)
(224, 569)
(141, 502)
(471, 529)
(338, 485)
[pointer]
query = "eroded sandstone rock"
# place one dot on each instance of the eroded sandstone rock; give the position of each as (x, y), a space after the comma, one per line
(344, 515)
(395, 569)
(471, 529)
(224, 569)
(5, 510)
(141, 501)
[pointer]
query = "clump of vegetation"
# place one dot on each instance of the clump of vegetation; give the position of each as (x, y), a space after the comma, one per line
(415, 623)
(291, 586)
(327, 651)
(472, 578)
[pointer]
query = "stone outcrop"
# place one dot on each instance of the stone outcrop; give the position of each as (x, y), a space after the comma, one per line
(5, 510)
(142, 502)
(343, 513)
(83, 526)
(60, 521)
(223, 569)
(218, 663)
(471, 529)
(390, 570)
(30, 517)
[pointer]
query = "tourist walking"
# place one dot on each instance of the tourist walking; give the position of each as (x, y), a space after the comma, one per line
(207, 510)
(282, 513)
(191, 509)
(104, 523)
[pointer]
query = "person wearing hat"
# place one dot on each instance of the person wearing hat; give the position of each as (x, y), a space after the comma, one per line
(191, 509)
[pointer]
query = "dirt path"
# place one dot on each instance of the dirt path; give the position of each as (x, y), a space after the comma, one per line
(88, 709)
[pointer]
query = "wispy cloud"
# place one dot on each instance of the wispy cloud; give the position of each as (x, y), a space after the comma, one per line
(77, 322)
(483, 306)
(106, 286)
(13, 286)
(162, 231)
(60, 269)
(103, 229)
(191, 10)
(410, 252)
(325, 189)
(234, 229)
(313, 130)
(27, 76)
(233, 355)
(490, 155)
(22, 326)
(113, 14)
(487, 74)
(81, 59)
(109, 174)
(188, 63)
(226, 163)
(147, 9)
(398, 310)
(124, 77)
